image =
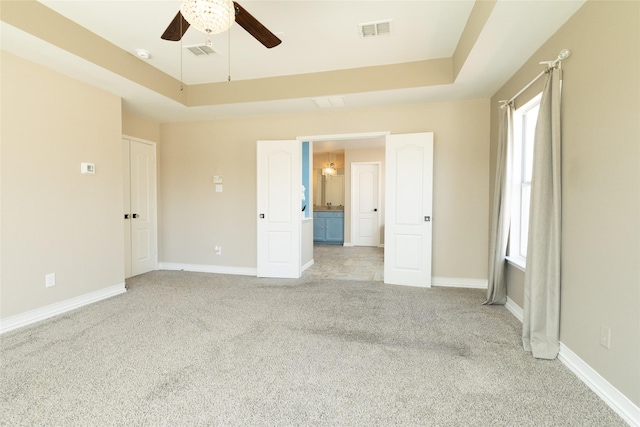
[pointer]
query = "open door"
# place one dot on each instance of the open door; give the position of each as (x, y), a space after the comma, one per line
(408, 204)
(279, 208)
(140, 207)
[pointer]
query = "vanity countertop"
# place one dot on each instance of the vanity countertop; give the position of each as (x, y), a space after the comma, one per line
(329, 209)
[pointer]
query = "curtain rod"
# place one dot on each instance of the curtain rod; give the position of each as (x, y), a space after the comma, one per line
(564, 54)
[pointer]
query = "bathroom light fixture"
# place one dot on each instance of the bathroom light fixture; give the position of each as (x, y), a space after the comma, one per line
(330, 169)
(209, 16)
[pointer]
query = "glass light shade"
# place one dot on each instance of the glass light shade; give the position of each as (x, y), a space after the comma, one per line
(209, 16)
(329, 170)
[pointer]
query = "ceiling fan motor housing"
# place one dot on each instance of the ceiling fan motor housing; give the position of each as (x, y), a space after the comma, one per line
(209, 16)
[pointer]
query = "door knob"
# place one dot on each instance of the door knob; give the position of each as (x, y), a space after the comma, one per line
(134, 216)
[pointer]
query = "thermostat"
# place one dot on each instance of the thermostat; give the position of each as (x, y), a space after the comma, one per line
(88, 168)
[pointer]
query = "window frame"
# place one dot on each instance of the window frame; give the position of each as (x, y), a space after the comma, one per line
(523, 135)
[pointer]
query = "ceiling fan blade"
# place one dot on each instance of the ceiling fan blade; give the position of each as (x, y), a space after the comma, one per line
(255, 28)
(173, 31)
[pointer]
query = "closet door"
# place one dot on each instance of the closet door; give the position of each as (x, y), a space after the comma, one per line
(141, 248)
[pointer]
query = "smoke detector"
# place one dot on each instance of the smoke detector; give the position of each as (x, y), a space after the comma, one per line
(143, 53)
(373, 29)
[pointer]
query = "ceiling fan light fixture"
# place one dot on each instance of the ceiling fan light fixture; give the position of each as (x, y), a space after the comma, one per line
(208, 16)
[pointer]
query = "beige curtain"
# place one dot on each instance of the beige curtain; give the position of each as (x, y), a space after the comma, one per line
(541, 323)
(501, 216)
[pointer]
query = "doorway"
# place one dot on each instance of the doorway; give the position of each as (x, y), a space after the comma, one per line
(348, 260)
(408, 208)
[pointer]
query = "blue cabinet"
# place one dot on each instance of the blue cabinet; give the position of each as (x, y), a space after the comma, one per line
(328, 227)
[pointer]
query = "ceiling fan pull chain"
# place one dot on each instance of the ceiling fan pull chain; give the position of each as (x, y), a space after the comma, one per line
(181, 84)
(229, 50)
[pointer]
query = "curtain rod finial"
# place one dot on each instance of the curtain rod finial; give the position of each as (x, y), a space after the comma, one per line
(564, 54)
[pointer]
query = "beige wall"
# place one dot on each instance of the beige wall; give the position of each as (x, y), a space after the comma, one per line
(54, 219)
(140, 127)
(600, 185)
(195, 218)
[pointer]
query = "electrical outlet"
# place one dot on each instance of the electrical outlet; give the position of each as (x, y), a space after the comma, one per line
(605, 337)
(50, 280)
(218, 250)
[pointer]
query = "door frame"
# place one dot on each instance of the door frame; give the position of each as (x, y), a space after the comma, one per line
(341, 137)
(353, 196)
(154, 214)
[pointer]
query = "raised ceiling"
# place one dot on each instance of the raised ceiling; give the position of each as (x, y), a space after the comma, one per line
(437, 51)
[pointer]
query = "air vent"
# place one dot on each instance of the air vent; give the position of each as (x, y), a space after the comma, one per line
(201, 49)
(372, 29)
(329, 102)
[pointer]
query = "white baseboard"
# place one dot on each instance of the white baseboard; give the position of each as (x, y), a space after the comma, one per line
(42, 313)
(617, 401)
(454, 282)
(205, 268)
(514, 309)
(611, 396)
(307, 265)
(347, 244)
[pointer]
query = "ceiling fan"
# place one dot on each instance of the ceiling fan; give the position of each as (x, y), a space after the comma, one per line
(216, 16)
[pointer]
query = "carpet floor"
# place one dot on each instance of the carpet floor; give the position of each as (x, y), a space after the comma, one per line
(192, 349)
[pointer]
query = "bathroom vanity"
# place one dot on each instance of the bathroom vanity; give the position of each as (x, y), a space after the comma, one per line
(328, 226)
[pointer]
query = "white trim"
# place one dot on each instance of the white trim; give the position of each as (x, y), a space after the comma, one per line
(204, 268)
(144, 141)
(42, 313)
(617, 401)
(455, 282)
(342, 136)
(307, 265)
(517, 262)
(514, 309)
(348, 244)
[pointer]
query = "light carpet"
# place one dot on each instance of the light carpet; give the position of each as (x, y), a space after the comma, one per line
(190, 349)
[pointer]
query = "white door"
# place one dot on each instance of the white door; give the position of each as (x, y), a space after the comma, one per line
(365, 208)
(408, 189)
(279, 212)
(142, 214)
(126, 181)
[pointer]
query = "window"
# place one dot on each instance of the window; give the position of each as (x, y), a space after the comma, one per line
(524, 125)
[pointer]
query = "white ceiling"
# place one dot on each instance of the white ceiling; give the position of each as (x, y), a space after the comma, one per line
(316, 36)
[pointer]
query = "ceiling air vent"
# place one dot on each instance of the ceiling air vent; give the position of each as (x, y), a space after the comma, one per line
(201, 49)
(329, 102)
(372, 29)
